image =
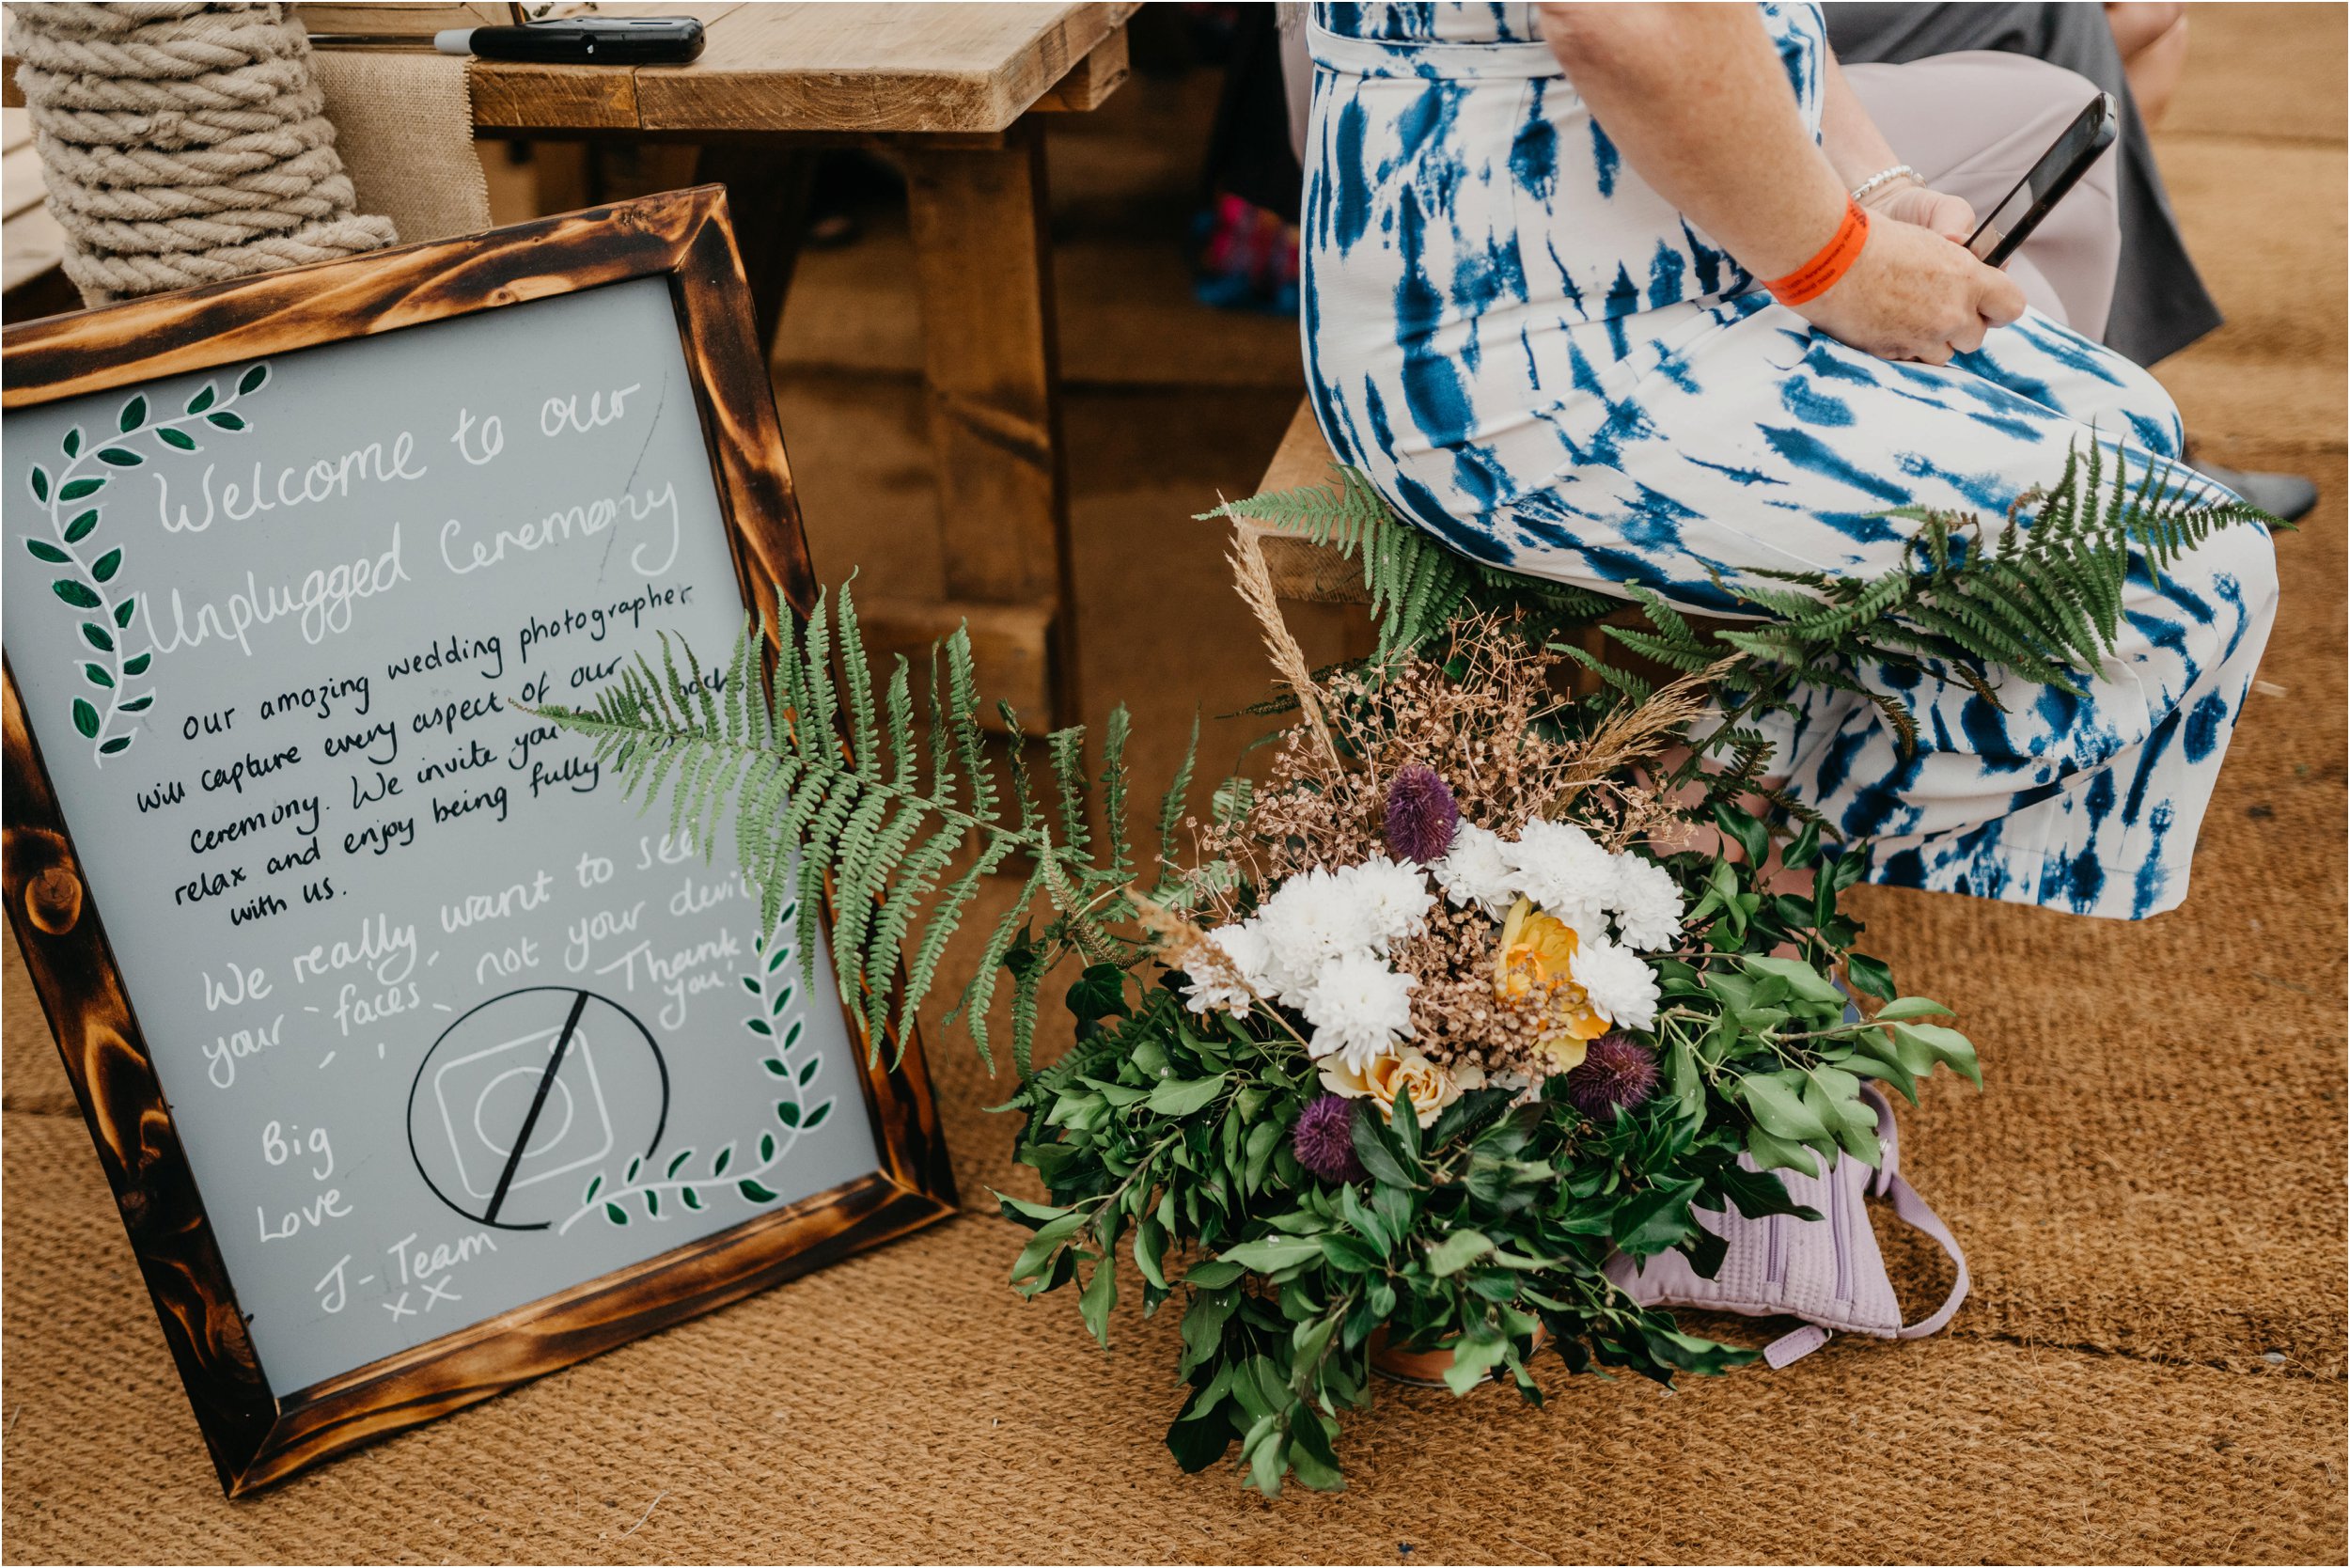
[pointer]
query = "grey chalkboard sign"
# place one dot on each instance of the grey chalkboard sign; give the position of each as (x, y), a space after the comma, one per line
(443, 1028)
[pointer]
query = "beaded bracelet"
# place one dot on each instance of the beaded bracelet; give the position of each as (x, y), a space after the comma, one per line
(1820, 274)
(1883, 177)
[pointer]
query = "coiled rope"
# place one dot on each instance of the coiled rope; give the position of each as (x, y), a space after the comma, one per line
(183, 143)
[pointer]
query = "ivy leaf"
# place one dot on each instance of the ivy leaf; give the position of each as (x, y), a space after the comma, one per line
(653, 1205)
(691, 1199)
(595, 1185)
(1268, 1254)
(1457, 1251)
(1184, 1096)
(44, 551)
(76, 593)
(133, 416)
(1778, 1109)
(98, 676)
(1948, 1047)
(791, 1035)
(73, 442)
(119, 457)
(756, 1193)
(807, 1071)
(226, 420)
(121, 742)
(75, 489)
(1371, 1148)
(136, 665)
(614, 1213)
(775, 1067)
(718, 1166)
(105, 566)
(788, 1112)
(815, 1119)
(766, 1147)
(1773, 1154)
(758, 1026)
(180, 439)
(86, 718)
(125, 610)
(250, 381)
(79, 528)
(1870, 974)
(136, 704)
(1100, 1297)
(683, 1156)
(39, 478)
(99, 638)
(1802, 979)
(203, 398)
(750, 983)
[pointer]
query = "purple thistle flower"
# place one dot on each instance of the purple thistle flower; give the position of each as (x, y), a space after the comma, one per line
(1618, 1072)
(1324, 1139)
(1423, 815)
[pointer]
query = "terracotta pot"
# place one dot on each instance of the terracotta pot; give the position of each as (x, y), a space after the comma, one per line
(1421, 1368)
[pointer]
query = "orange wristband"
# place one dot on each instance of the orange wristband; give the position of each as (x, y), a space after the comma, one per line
(1819, 274)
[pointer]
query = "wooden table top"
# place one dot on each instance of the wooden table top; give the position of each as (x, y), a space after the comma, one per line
(856, 68)
(813, 68)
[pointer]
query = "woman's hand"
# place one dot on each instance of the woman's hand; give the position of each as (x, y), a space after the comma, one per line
(1908, 202)
(1915, 294)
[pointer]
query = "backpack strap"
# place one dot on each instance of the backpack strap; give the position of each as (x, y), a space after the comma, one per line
(1915, 1210)
(1916, 1213)
(1912, 1211)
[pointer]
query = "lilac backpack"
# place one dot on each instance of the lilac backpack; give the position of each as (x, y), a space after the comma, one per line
(1826, 1271)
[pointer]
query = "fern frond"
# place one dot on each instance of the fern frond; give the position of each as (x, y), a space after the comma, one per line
(840, 807)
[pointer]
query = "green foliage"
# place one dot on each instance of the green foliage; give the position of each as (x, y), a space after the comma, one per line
(1163, 1140)
(824, 781)
(2035, 603)
(1417, 588)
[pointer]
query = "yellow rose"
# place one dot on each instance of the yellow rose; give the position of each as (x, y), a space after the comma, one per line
(1432, 1088)
(1534, 967)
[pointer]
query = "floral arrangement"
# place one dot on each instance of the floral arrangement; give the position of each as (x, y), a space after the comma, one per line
(1509, 962)
(1465, 995)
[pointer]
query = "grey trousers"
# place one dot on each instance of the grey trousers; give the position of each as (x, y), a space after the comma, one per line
(2160, 304)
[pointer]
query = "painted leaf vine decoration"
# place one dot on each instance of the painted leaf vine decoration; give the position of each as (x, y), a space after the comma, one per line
(685, 1179)
(88, 585)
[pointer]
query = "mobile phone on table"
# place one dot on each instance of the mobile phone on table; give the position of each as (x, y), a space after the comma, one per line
(2010, 223)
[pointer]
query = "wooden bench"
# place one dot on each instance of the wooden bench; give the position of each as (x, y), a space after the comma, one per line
(32, 243)
(1302, 571)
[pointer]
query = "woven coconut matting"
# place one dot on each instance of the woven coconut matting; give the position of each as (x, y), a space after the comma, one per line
(2151, 1190)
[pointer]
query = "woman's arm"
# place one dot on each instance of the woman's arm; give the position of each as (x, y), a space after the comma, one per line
(1697, 101)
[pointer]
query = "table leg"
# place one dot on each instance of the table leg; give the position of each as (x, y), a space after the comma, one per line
(768, 191)
(991, 364)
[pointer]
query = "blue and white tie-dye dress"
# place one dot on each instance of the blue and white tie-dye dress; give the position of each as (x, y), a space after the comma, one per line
(1539, 360)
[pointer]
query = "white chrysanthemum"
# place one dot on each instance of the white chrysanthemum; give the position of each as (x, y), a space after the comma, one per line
(1395, 899)
(1213, 984)
(1562, 870)
(1648, 903)
(1311, 920)
(1619, 982)
(1358, 1007)
(1473, 872)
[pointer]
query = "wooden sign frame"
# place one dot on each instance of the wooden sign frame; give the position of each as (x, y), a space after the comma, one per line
(256, 1436)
